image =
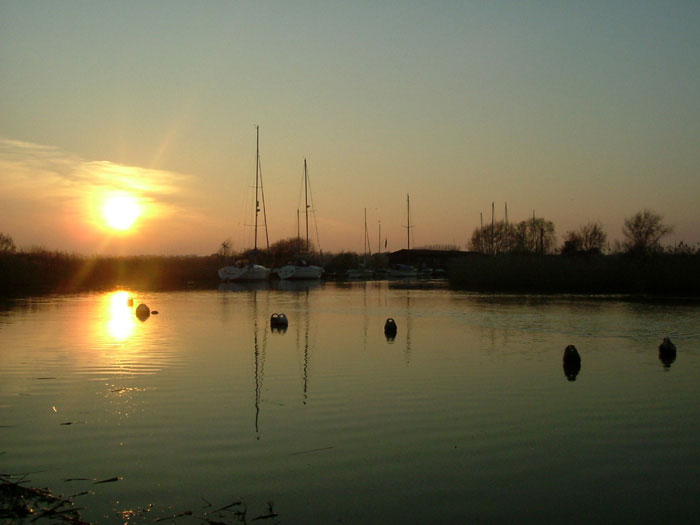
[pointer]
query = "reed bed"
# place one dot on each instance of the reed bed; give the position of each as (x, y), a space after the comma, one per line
(661, 274)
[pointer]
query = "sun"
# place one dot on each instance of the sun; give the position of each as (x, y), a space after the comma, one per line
(121, 210)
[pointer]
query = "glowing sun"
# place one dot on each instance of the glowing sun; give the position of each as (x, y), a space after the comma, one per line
(121, 210)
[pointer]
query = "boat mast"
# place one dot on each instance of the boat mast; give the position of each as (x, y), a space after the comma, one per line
(257, 176)
(408, 227)
(306, 206)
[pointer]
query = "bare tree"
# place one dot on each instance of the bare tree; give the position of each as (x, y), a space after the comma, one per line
(643, 232)
(589, 238)
(225, 249)
(493, 239)
(536, 235)
(7, 245)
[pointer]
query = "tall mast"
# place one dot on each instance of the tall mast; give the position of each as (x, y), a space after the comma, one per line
(306, 206)
(365, 239)
(379, 238)
(257, 176)
(408, 227)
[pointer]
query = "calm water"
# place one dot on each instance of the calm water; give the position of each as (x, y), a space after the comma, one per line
(466, 416)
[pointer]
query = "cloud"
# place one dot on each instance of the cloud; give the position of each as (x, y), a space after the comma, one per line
(53, 197)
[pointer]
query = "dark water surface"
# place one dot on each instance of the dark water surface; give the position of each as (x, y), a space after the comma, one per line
(466, 416)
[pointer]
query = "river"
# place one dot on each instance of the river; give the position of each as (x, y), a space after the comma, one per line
(465, 416)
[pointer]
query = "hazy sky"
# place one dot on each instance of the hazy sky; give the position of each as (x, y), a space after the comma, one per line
(580, 111)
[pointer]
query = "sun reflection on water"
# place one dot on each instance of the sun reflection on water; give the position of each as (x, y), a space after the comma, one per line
(120, 318)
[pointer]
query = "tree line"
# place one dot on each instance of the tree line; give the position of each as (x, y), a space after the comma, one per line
(642, 235)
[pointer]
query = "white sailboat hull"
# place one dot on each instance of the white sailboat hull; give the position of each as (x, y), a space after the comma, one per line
(247, 272)
(295, 271)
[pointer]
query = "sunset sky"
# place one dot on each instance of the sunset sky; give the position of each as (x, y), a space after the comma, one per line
(580, 111)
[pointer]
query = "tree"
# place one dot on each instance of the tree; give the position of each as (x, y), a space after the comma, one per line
(643, 233)
(589, 239)
(288, 249)
(493, 239)
(7, 245)
(225, 249)
(535, 235)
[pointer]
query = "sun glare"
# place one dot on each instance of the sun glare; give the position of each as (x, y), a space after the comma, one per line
(120, 318)
(121, 210)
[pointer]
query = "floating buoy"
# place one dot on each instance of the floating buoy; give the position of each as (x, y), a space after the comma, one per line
(278, 321)
(667, 347)
(390, 328)
(154, 312)
(571, 355)
(667, 352)
(143, 312)
(572, 362)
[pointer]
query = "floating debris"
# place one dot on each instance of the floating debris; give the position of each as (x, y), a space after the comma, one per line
(154, 312)
(186, 513)
(19, 504)
(270, 513)
(110, 480)
(310, 451)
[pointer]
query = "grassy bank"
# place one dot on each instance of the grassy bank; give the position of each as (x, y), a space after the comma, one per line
(41, 272)
(663, 274)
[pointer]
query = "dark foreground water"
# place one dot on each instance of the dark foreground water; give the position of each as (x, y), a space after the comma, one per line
(467, 416)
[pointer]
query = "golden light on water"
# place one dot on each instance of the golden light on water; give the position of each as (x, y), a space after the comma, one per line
(120, 318)
(120, 210)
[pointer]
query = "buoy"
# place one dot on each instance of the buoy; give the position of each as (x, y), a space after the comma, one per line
(390, 328)
(667, 347)
(667, 353)
(154, 312)
(143, 312)
(571, 355)
(572, 362)
(278, 321)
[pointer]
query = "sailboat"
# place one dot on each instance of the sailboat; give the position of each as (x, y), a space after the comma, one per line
(302, 269)
(249, 270)
(405, 270)
(363, 272)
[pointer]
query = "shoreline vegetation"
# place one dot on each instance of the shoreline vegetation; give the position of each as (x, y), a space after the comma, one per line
(672, 275)
(662, 274)
(505, 257)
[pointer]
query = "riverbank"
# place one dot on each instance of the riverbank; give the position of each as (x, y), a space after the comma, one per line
(58, 272)
(662, 275)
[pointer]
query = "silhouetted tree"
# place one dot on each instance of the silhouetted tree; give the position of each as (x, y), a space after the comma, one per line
(643, 233)
(7, 245)
(225, 249)
(288, 249)
(493, 240)
(589, 239)
(535, 235)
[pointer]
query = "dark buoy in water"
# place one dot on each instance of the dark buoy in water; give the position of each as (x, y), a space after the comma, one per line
(154, 312)
(572, 362)
(667, 347)
(390, 329)
(143, 312)
(667, 352)
(279, 322)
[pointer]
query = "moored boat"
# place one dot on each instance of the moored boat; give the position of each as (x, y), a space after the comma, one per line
(249, 270)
